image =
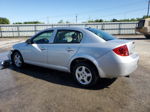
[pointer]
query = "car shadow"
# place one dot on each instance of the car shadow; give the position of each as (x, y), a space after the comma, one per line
(58, 77)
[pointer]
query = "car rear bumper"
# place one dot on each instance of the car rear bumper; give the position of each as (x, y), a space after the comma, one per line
(113, 66)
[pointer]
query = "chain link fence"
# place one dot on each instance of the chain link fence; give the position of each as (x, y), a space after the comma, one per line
(22, 30)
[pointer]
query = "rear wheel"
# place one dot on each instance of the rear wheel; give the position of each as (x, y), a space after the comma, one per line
(147, 36)
(85, 74)
(17, 59)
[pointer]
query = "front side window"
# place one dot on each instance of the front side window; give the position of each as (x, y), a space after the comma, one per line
(68, 36)
(43, 38)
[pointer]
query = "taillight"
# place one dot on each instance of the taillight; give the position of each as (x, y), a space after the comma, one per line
(122, 50)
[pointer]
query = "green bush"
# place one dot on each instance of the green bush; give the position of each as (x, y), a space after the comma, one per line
(17, 23)
(4, 21)
(33, 22)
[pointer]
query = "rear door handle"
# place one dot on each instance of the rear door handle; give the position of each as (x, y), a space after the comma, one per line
(69, 50)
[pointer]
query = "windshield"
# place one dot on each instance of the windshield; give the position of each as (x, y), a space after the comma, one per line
(141, 23)
(101, 34)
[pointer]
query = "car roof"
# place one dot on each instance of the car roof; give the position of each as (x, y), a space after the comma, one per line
(67, 28)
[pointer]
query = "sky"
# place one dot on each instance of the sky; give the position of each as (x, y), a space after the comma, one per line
(52, 11)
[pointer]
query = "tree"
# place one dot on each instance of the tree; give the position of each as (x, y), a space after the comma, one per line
(133, 19)
(114, 20)
(90, 21)
(67, 22)
(33, 22)
(61, 21)
(4, 21)
(29, 22)
(101, 20)
(98, 20)
(17, 23)
(144, 17)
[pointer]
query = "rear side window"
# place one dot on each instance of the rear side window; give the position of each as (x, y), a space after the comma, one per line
(68, 36)
(101, 34)
(141, 23)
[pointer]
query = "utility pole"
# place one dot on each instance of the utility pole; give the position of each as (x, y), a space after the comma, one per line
(148, 8)
(76, 18)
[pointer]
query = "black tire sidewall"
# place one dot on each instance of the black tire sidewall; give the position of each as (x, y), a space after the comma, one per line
(93, 70)
(147, 36)
(21, 59)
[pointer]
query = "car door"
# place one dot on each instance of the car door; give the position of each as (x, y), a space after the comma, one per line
(36, 53)
(65, 45)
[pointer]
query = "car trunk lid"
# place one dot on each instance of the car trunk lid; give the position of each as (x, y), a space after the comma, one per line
(118, 42)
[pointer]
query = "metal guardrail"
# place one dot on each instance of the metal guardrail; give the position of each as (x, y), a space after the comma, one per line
(23, 30)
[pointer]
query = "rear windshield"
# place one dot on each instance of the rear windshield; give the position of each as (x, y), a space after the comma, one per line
(141, 23)
(101, 34)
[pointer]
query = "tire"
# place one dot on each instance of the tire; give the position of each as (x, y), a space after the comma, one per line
(17, 59)
(85, 74)
(147, 36)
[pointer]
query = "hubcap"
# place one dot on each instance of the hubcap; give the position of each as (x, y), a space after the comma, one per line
(17, 60)
(83, 75)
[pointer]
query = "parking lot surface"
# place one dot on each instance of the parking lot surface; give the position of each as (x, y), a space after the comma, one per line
(36, 89)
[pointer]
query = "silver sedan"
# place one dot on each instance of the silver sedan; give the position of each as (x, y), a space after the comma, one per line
(88, 53)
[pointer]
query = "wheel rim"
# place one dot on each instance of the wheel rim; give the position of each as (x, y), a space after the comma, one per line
(83, 75)
(17, 60)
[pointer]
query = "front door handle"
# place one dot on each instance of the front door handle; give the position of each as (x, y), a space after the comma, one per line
(43, 49)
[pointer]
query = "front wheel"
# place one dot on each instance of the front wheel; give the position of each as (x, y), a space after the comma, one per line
(85, 74)
(17, 59)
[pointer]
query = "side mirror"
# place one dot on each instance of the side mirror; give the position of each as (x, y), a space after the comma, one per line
(29, 41)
